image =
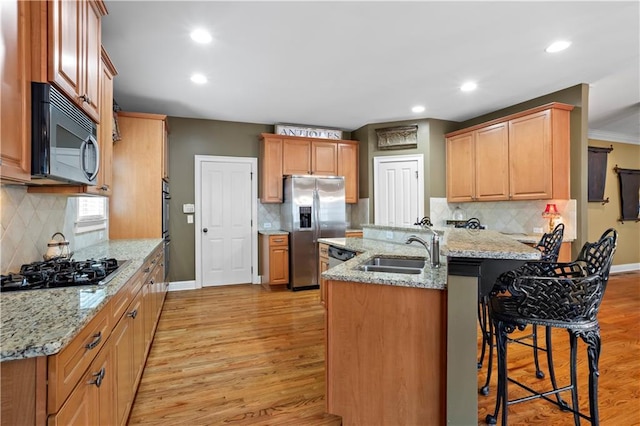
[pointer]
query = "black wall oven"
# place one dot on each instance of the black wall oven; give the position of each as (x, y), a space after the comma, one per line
(166, 197)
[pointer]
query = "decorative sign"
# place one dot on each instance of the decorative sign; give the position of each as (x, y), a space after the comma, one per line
(402, 137)
(308, 132)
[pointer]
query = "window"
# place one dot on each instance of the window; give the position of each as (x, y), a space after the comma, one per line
(91, 214)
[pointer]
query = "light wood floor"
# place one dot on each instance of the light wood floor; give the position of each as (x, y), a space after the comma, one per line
(241, 355)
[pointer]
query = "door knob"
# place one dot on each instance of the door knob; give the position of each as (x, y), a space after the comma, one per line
(205, 230)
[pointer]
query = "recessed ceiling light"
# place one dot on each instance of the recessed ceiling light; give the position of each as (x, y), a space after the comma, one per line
(468, 86)
(558, 46)
(198, 78)
(418, 108)
(200, 36)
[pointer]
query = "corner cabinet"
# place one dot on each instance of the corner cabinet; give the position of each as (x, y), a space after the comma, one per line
(139, 167)
(523, 156)
(274, 260)
(15, 96)
(290, 155)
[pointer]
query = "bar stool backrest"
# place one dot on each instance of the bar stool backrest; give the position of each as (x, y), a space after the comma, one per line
(597, 257)
(550, 244)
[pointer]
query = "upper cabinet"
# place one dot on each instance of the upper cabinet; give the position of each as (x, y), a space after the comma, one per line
(72, 50)
(15, 96)
(524, 156)
(135, 209)
(290, 155)
(104, 183)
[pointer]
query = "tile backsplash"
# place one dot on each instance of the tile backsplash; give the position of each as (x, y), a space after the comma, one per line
(29, 220)
(508, 216)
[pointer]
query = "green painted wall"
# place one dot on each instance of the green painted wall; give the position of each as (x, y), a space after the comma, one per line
(187, 138)
(431, 144)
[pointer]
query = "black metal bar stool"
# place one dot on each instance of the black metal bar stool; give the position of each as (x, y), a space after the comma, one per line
(549, 246)
(556, 295)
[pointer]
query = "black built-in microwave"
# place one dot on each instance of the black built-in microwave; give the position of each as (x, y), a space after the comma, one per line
(64, 144)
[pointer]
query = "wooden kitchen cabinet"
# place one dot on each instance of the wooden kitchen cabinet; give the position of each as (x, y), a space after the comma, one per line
(67, 50)
(353, 234)
(323, 265)
(479, 161)
(348, 167)
(91, 402)
(274, 260)
(135, 210)
(270, 169)
(15, 96)
(524, 156)
(291, 155)
(104, 182)
(296, 157)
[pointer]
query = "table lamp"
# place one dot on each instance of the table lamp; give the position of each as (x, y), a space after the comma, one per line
(551, 212)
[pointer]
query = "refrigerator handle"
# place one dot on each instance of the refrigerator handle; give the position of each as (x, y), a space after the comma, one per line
(316, 217)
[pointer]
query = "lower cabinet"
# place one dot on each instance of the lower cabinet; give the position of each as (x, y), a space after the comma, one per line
(274, 260)
(105, 392)
(323, 265)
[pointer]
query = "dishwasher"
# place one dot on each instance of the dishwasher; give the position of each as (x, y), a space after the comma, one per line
(339, 255)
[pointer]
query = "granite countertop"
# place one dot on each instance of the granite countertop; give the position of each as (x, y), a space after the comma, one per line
(41, 322)
(272, 232)
(455, 243)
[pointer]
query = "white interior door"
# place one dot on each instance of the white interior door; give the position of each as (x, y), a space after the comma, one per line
(398, 189)
(225, 208)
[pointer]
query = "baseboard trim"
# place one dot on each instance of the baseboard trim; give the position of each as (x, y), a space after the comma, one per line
(625, 268)
(182, 285)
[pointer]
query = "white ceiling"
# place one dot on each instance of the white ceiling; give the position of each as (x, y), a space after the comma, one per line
(346, 64)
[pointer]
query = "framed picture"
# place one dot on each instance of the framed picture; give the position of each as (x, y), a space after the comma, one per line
(402, 137)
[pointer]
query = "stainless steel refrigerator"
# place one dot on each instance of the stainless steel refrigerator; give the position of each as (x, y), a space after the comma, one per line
(313, 207)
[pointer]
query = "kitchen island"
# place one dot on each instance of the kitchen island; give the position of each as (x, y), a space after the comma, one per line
(401, 349)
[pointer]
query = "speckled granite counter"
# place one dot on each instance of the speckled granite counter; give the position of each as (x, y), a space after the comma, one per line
(41, 322)
(456, 243)
(272, 232)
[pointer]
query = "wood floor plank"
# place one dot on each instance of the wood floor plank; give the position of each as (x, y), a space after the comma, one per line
(239, 355)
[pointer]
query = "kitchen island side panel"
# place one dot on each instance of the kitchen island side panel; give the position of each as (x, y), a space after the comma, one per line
(386, 354)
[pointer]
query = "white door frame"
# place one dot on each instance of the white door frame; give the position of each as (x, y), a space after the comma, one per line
(377, 161)
(199, 159)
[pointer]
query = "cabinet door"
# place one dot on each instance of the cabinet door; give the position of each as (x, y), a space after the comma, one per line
(348, 167)
(122, 346)
(137, 315)
(324, 158)
(91, 402)
(492, 163)
(91, 61)
(279, 265)
(296, 157)
(104, 183)
(323, 265)
(460, 168)
(15, 96)
(65, 32)
(530, 160)
(270, 170)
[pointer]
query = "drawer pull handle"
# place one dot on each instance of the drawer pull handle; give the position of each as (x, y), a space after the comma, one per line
(278, 240)
(147, 270)
(99, 377)
(133, 314)
(96, 341)
(151, 282)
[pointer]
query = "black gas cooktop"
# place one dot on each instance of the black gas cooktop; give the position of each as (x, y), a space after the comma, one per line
(58, 273)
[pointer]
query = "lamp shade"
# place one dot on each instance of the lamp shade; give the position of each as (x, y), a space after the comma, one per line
(550, 211)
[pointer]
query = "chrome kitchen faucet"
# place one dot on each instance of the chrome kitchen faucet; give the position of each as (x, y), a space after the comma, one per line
(433, 250)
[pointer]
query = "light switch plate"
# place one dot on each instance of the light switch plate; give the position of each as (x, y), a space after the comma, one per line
(188, 208)
(267, 225)
(189, 218)
(537, 230)
(389, 235)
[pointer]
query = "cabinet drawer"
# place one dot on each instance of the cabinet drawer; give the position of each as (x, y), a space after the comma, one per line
(278, 240)
(67, 367)
(124, 296)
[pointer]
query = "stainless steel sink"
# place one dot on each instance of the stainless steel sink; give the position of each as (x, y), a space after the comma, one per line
(394, 265)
